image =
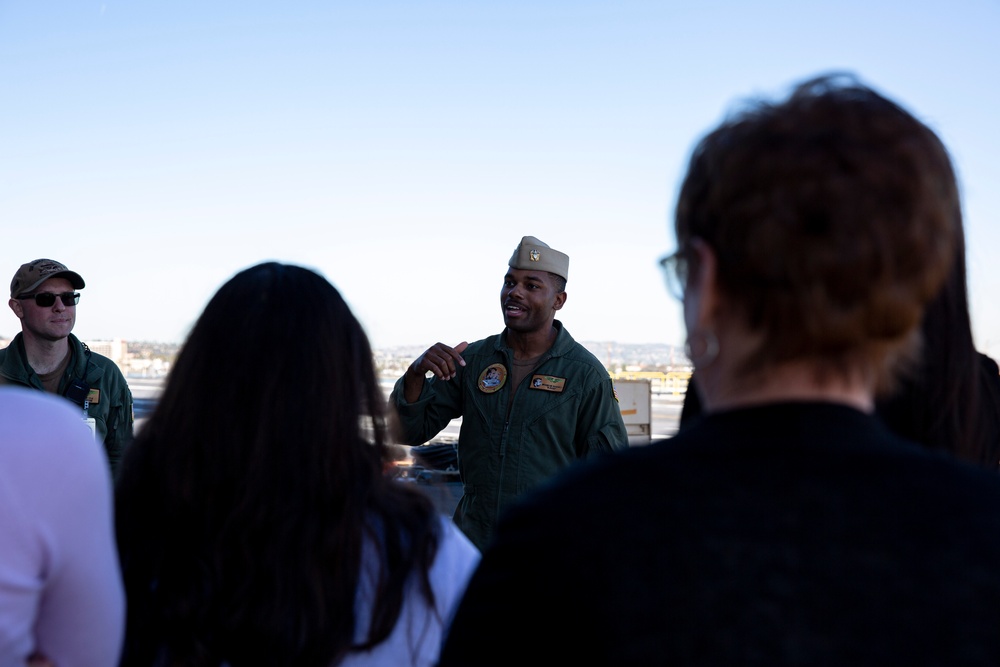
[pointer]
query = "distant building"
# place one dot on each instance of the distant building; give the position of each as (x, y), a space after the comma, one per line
(116, 350)
(139, 359)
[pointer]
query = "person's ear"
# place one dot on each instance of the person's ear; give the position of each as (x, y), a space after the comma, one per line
(15, 305)
(560, 301)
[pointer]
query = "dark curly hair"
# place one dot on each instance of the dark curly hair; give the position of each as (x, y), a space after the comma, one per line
(834, 217)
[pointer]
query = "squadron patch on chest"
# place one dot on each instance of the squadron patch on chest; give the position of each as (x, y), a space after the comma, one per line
(548, 383)
(94, 396)
(493, 378)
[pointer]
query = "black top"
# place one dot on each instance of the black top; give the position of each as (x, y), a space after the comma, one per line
(915, 413)
(918, 413)
(792, 534)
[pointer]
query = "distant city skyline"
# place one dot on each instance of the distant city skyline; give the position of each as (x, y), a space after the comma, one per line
(137, 357)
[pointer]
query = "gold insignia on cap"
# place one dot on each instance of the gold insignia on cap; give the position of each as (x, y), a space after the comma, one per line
(534, 255)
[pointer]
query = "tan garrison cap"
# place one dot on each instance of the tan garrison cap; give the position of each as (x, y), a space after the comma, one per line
(533, 254)
(33, 274)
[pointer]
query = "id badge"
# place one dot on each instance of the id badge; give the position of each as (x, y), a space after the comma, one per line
(92, 424)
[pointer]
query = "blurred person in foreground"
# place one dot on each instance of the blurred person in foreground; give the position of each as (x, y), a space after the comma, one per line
(532, 400)
(47, 356)
(61, 597)
(787, 526)
(950, 398)
(255, 524)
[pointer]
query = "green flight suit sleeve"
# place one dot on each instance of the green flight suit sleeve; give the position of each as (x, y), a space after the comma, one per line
(601, 423)
(120, 425)
(438, 404)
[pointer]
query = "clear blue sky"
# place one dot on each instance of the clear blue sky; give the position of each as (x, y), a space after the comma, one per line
(403, 148)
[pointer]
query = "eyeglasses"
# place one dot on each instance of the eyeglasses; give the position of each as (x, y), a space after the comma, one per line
(675, 273)
(48, 299)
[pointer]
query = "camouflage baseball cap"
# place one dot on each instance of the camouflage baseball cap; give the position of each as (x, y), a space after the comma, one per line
(33, 274)
(531, 253)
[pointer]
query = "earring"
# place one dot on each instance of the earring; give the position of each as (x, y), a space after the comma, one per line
(701, 347)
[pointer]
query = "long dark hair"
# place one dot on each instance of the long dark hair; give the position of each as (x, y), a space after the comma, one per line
(245, 499)
(948, 401)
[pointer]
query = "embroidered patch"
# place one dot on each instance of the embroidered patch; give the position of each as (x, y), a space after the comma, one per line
(548, 383)
(94, 396)
(493, 378)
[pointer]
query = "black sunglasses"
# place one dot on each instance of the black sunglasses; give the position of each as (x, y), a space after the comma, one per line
(48, 299)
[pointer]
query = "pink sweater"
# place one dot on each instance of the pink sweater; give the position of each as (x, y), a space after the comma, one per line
(60, 587)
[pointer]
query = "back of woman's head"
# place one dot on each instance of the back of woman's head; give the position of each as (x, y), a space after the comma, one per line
(248, 494)
(269, 392)
(833, 216)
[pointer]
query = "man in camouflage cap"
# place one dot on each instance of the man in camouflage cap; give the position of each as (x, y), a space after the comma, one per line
(47, 356)
(531, 399)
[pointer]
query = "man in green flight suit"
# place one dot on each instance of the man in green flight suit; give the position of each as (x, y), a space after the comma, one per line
(48, 357)
(532, 400)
